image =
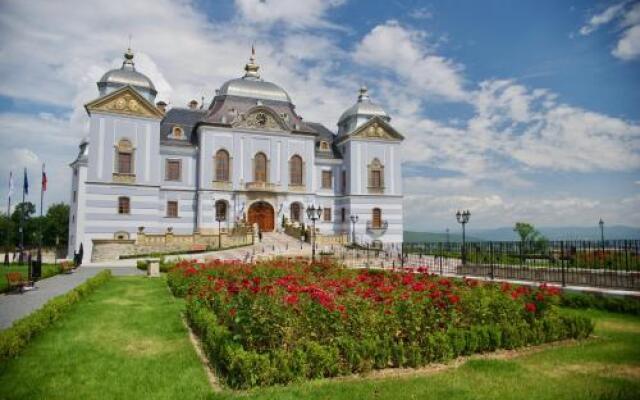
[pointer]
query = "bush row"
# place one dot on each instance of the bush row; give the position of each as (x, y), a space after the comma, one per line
(621, 304)
(15, 338)
(241, 368)
(144, 265)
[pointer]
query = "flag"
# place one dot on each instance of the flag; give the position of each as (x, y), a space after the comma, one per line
(44, 179)
(25, 187)
(10, 185)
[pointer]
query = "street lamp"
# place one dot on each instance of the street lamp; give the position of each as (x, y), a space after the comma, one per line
(313, 214)
(601, 223)
(354, 219)
(463, 218)
(220, 216)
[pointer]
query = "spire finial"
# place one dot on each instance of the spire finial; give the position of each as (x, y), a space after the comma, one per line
(128, 56)
(251, 68)
(364, 94)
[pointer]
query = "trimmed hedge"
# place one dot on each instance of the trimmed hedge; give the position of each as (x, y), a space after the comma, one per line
(241, 369)
(280, 321)
(14, 339)
(144, 266)
(620, 304)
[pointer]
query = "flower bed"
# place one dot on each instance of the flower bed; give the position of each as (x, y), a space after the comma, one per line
(280, 321)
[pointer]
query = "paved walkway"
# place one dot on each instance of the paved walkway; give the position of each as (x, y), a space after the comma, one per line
(14, 306)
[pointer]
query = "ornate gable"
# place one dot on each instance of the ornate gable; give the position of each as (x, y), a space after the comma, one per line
(376, 129)
(126, 101)
(260, 118)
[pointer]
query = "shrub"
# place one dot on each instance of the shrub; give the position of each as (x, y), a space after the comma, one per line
(280, 321)
(16, 338)
(621, 304)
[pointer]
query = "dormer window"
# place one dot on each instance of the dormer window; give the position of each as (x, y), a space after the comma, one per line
(177, 132)
(324, 145)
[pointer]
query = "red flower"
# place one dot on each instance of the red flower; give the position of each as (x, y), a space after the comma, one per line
(530, 307)
(291, 299)
(233, 312)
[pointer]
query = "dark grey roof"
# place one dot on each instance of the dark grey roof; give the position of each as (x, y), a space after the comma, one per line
(325, 134)
(186, 119)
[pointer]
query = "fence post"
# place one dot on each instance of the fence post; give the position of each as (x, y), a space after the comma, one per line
(562, 256)
(491, 259)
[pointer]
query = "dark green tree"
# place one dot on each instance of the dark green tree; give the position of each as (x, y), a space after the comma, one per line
(56, 225)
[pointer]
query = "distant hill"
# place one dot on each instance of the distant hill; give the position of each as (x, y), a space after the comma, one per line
(616, 232)
(415, 237)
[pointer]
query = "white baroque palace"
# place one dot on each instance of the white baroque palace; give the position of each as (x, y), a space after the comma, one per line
(246, 157)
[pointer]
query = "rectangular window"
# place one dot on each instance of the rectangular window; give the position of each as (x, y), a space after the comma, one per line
(172, 170)
(344, 181)
(326, 179)
(343, 216)
(123, 205)
(376, 179)
(327, 214)
(124, 163)
(172, 209)
(75, 196)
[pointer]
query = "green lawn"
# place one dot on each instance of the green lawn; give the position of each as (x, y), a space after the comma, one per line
(48, 270)
(127, 341)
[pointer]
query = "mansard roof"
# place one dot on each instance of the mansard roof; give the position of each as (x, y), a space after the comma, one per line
(185, 118)
(324, 134)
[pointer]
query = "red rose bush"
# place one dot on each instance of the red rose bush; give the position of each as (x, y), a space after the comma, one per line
(281, 320)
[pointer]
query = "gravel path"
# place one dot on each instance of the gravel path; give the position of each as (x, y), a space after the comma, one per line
(14, 306)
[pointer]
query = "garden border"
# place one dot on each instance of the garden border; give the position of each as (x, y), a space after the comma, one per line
(14, 339)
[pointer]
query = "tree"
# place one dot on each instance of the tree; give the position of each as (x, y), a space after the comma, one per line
(56, 225)
(525, 230)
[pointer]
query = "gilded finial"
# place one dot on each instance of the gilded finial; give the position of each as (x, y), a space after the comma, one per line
(128, 55)
(251, 68)
(364, 94)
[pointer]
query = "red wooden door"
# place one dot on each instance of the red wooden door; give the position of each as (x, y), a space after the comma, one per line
(262, 213)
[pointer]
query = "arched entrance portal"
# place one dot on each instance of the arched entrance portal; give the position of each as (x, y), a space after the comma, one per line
(262, 214)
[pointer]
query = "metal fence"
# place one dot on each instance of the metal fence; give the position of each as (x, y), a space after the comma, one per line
(608, 264)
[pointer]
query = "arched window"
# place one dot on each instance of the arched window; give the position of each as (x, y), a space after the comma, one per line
(221, 210)
(295, 170)
(177, 132)
(376, 176)
(296, 212)
(124, 157)
(123, 205)
(376, 218)
(260, 167)
(222, 166)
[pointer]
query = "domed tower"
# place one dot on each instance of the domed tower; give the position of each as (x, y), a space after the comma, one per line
(360, 112)
(127, 75)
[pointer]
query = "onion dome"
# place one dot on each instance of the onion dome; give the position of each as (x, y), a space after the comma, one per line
(127, 75)
(360, 112)
(252, 86)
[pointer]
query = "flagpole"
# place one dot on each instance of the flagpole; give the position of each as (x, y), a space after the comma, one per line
(42, 189)
(6, 253)
(21, 256)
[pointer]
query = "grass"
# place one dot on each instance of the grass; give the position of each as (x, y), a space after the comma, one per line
(127, 341)
(48, 270)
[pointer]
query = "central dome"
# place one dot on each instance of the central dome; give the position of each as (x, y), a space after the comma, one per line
(127, 75)
(252, 86)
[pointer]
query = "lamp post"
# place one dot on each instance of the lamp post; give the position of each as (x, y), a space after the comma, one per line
(601, 223)
(354, 219)
(220, 216)
(313, 214)
(463, 218)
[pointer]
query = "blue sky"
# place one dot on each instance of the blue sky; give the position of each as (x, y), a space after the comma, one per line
(522, 110)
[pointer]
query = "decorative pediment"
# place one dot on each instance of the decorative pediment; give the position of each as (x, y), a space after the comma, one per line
(260, 118)
(125, 100)
(376, 129)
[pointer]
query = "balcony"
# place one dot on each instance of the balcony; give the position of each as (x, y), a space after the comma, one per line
(222, 185)
(377, 230)
(121, 177)
(261, 186)
(297, 188)
(375, 189)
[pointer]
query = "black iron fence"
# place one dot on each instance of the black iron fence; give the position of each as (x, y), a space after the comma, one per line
(608, 264)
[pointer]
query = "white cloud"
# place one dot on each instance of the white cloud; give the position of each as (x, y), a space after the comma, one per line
(627, 17)
(628, 47)
(405, 52)
(293, 13)
(604, 17)
(421, 13)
